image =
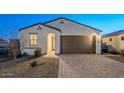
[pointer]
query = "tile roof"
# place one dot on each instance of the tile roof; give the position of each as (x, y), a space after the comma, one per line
(57, 28)
(114, 33)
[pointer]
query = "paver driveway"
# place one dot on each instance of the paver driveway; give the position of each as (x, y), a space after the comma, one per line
(89, 65)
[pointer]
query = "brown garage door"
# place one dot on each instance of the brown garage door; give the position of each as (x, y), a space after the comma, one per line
(78, 44)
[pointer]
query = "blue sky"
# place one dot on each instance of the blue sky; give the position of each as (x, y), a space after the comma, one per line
(11, 23)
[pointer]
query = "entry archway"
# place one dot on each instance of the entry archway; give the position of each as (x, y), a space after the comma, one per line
(51, 43)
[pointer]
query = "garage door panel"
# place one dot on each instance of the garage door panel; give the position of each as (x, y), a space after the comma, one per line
(77, 44)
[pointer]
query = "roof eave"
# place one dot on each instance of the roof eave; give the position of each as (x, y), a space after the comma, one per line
(39, 24)
(29, 26)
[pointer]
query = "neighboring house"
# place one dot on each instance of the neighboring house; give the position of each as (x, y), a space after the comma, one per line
(3, 42)
(61, 35)
(115, 40)
(3, 46)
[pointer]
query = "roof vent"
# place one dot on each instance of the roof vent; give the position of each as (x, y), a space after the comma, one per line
(61, 21)
(39, 28)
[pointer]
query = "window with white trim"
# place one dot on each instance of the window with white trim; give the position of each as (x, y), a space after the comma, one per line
(33, 39)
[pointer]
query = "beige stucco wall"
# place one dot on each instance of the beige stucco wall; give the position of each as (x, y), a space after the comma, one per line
(98, 44)
(115, 43)
(71, 28)
(121, 42)
(41, 39)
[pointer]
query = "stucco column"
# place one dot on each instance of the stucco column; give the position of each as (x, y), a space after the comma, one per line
(98, 44)
(57, 44)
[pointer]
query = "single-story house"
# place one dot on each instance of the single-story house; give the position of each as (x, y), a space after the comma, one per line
(61, 35)
(114, 40)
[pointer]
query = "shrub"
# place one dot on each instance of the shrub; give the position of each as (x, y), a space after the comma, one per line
(37, 52)
(25, 54)
(122, 52)
(34, 64)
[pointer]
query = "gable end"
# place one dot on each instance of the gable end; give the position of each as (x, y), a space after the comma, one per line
(73, 22)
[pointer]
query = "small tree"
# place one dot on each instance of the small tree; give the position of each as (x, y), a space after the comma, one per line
(14, 45)
(14, 48)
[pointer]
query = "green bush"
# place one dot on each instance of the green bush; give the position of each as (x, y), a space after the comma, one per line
(34, 64)
(37, 52)
(122, 52)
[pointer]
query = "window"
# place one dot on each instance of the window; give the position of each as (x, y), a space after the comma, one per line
(33, 39)
(122, 38)
(110, 39)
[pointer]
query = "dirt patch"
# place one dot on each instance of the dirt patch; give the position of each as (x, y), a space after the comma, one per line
(117, 58)
(12, 63)
(47, 68)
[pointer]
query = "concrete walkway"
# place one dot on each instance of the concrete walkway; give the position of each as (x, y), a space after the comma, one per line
(89, 66)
